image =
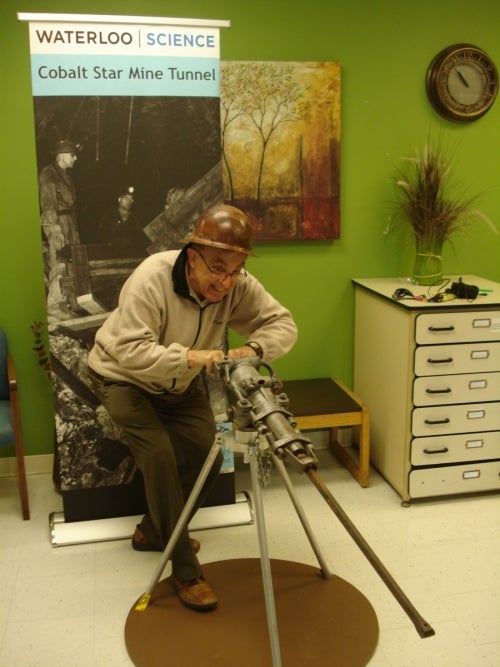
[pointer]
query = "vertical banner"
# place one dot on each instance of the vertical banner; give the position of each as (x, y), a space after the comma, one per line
(127, 127)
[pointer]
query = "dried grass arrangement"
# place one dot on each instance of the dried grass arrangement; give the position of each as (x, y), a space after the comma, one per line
(427, 202)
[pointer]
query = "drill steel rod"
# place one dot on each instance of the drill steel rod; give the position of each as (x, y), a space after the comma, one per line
(423, 628)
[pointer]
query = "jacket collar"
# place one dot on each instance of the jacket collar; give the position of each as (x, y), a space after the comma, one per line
(179, 279)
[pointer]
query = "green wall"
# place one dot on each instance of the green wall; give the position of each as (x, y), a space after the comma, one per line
(384, 48)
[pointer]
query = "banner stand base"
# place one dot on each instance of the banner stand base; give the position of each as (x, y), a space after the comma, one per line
(121, 528)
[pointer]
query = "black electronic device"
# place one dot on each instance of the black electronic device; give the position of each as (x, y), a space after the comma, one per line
(402, 293)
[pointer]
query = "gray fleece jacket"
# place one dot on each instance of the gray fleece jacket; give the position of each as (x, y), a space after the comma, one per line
(146, 339)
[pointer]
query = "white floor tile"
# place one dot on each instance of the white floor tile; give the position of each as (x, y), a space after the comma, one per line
(448, 648)
(471, 611)
(56, 642)
(491, 654)
(51, 597)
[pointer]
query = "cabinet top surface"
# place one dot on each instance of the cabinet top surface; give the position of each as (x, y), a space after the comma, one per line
(489, 292)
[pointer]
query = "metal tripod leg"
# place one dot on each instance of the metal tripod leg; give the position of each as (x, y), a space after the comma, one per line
(264, 554)
(272, 622)
(303, 519)
(181, 524)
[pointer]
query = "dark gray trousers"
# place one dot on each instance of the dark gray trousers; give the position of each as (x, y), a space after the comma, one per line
(170, 436)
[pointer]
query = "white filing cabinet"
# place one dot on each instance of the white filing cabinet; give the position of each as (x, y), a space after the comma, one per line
(430, 375)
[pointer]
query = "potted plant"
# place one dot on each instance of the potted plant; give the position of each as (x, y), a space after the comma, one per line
(427, 204)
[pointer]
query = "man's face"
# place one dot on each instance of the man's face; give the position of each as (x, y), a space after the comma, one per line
(126, 201)
(66, 160)
(213, 272)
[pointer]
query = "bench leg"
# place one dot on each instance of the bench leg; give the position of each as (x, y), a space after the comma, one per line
(359, 470)
(364, 449)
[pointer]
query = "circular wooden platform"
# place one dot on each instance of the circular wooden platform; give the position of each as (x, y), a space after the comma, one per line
(320, 621)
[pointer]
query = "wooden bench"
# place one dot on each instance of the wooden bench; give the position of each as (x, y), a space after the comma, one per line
(328, 403)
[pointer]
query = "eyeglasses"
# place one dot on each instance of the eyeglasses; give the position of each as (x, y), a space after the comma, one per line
(219, 272)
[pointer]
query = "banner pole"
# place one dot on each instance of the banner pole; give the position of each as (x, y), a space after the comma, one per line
(144, 20)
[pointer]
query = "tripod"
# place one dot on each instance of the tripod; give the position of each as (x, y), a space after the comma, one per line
(250, 441)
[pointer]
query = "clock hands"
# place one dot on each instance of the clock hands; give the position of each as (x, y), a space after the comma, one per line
(461, 77)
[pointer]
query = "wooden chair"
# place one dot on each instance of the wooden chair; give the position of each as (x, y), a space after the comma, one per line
(10, 421)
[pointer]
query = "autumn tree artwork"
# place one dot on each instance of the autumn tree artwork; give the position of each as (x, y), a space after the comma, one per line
(280, 136)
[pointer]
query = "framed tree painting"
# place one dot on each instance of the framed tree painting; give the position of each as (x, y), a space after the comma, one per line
(280, 135)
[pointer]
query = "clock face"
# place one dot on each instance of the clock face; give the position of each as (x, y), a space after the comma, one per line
(462, 83)
(467, 84)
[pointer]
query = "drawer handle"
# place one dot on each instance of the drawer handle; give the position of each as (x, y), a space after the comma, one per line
(444, 450)
(448, 360)
(449, 328)
(437, 421)
(438, 391)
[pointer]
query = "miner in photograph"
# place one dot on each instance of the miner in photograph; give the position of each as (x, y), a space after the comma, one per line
(57, 205)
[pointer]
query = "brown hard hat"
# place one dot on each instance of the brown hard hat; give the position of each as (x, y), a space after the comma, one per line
(225, 227)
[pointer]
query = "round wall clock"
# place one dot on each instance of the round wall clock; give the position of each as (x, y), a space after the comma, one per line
(462, 82)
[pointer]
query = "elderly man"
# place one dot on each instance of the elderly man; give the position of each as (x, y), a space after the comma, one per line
(147, 357)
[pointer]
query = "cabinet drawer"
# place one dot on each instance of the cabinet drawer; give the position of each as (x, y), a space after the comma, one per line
(444, 480)
(442, 449)
(453, 327)
(463, 358)
(469, 418)
(463, 388)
